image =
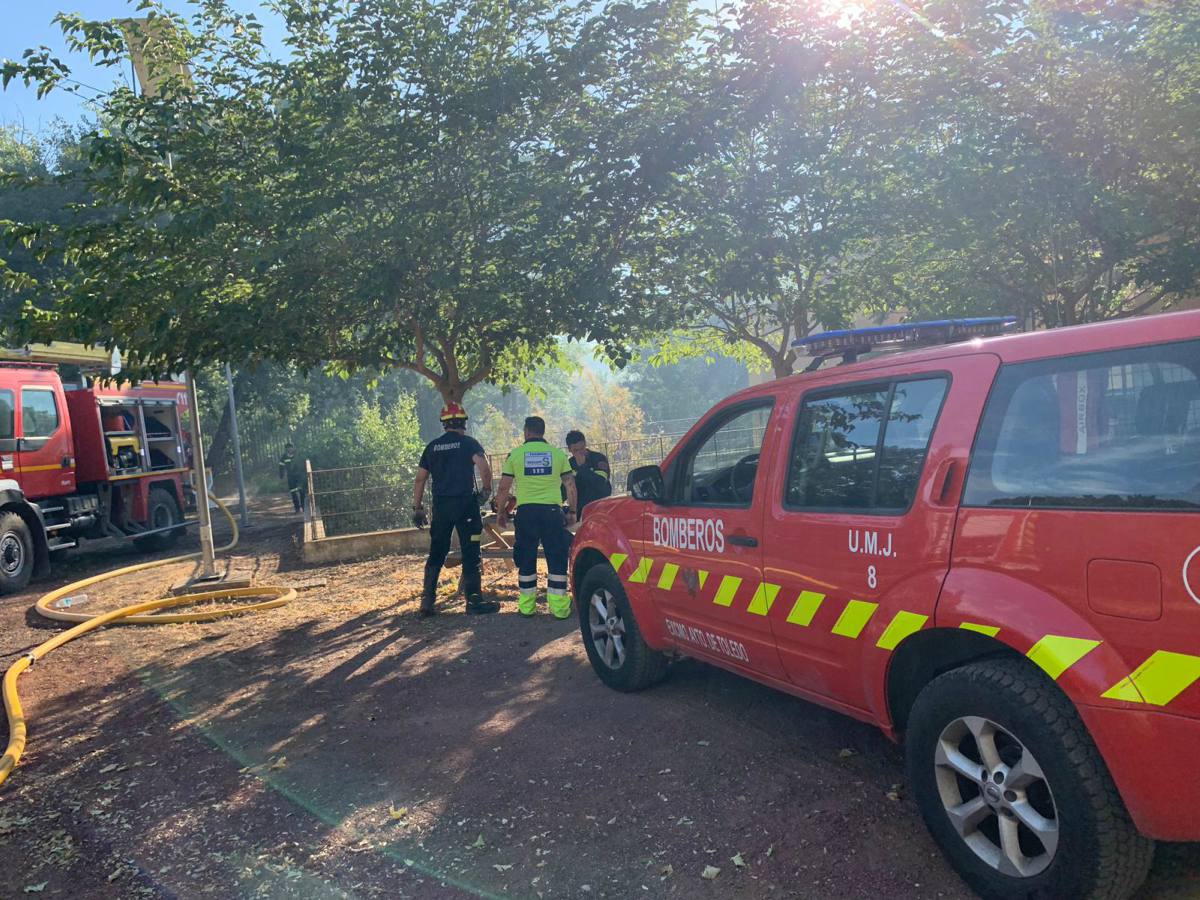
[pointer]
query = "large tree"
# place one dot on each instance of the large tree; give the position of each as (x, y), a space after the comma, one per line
(439, 186)
(778, 232)
(1063, 185)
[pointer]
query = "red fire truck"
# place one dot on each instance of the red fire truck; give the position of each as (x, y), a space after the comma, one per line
(81, 457)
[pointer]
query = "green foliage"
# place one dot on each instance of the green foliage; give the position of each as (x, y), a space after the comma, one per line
(1061, 181)
(677, 393)
(439, 186)
(364, 435)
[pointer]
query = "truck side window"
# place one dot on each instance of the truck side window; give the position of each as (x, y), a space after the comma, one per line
(719, 468)
(863, 448)
(39, 413)
(6, 415)
(1114, 430)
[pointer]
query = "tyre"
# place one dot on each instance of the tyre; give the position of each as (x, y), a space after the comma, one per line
(614, 643)
(16, 553)
(161, 512)
(1014, 791)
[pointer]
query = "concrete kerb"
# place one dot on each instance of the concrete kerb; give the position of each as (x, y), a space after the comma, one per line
(360, 546)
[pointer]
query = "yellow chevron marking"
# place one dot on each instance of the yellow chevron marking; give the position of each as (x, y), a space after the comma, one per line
(805, 608)
(642, 572)
(902, 625)
(1055, 653)
(667, 579)
(854, 618)
(989, 630)
(727, 590)
(764, 598)
(702, 576)
(1159, 680)
(617, 559)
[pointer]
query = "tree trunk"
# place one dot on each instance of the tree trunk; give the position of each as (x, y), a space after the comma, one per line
(782, 364)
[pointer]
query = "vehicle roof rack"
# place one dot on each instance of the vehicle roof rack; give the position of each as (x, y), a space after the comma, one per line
(851, 343)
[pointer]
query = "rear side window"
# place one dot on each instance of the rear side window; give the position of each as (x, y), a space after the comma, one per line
(39, 413)
(1114, 430)
(6, 415)
(864, 448)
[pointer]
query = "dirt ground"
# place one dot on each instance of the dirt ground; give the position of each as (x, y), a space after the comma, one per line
(342, 747)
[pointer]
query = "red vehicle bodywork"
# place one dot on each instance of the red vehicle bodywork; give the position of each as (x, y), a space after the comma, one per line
(57, 468)
(856, 612)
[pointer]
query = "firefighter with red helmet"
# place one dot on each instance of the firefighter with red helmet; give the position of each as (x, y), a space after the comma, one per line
(451, 460)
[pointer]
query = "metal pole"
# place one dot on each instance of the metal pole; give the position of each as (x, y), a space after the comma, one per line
(237, 448)
(201, 475)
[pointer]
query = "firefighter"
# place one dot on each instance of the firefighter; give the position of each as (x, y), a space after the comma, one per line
(538, 470)
(452, 460)
(291, 467)
(593, 477)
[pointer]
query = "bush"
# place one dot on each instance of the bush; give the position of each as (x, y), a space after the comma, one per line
(365, 499)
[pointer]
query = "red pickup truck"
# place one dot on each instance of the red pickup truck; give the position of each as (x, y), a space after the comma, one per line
(990, 550)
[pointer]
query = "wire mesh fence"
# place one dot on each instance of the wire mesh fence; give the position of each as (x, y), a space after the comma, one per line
(360, 499)
(364, 499)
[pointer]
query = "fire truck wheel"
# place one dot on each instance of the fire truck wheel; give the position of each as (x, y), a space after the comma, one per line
(16, 553)
(163, 512)
(1015, 792)
(615, 646)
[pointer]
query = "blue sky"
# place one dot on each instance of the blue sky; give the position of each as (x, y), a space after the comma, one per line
(28, 24)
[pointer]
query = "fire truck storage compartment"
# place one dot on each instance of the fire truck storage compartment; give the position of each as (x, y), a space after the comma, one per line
(164, 449)
(123, 435)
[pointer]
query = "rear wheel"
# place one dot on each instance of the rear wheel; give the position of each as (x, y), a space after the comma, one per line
(16, 553)
(1014, 790)
(615, 646)
(162, 512)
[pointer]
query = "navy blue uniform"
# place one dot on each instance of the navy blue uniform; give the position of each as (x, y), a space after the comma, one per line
(449, 462)
(593, 479)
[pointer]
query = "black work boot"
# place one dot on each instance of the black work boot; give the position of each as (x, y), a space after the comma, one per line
(429, 593)
(477, 604)
(472, 579)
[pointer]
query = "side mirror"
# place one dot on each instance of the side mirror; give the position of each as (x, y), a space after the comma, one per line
(646, 483)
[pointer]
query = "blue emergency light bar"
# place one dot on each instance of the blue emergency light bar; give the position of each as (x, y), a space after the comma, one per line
(941, 331)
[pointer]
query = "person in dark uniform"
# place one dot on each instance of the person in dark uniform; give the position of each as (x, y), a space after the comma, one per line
(452, 460)
(593, 477)
(291, 467)
(539, 471)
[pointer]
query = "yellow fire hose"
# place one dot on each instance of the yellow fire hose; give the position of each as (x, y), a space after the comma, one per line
(134, 614)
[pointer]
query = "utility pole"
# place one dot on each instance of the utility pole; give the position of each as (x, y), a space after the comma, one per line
(237, 447)
(207, 570)
(139, 35)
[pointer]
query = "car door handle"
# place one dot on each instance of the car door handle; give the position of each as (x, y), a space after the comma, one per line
(743, 540)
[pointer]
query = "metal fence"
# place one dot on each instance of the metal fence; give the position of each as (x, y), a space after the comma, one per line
(363, 499)
(359, 500)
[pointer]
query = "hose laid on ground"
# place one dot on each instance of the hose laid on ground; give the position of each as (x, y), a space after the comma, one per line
(134, 614)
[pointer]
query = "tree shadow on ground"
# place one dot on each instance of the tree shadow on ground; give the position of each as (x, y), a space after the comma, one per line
(370, 753)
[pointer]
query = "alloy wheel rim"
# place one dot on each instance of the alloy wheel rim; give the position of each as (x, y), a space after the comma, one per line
(12, 553)
(607, 628)
(996, 796)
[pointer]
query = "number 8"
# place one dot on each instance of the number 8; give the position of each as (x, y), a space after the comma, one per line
(872, 581)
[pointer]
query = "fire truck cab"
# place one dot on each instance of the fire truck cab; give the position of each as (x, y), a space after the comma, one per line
(986, 549)
(81, 457)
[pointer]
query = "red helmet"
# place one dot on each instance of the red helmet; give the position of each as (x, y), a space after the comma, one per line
(453, 411)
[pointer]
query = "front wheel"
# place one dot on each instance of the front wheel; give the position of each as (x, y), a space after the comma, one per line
(615, 646)
(1014, 791)
(16, 553)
